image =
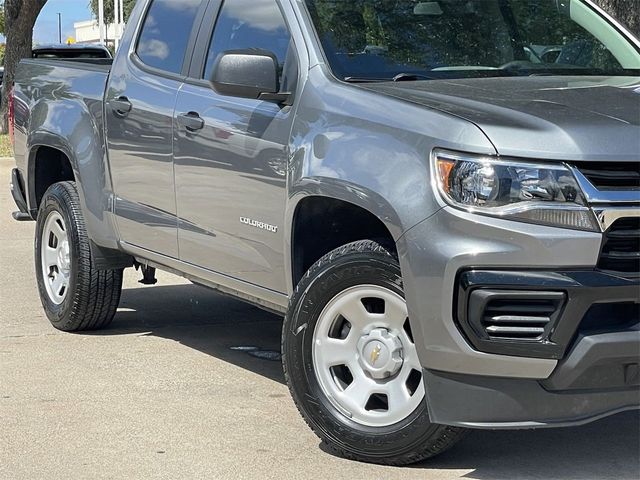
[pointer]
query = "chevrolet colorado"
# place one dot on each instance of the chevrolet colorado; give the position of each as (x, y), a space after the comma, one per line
(442, 197)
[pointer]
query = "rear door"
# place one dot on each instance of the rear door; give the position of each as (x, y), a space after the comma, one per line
(231, 171)
(139, 102)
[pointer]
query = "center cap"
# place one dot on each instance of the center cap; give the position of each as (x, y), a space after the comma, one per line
(380, 353)
(64, 259)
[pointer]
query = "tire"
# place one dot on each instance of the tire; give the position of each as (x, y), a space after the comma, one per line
(75, 295)
(399, 436)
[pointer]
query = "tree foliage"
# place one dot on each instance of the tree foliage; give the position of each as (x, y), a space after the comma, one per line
(625, 11)
(108, 9)
(19, 17)
(1, 18)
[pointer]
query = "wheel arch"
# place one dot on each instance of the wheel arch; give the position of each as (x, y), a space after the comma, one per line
(321, 219)
(71, 150)
(49, 162)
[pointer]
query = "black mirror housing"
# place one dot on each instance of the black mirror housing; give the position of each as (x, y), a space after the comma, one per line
(246, 73)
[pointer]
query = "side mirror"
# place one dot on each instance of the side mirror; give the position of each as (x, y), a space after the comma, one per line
(248, 74)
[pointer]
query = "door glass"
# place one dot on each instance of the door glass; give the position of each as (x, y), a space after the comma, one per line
(165, 33)
(244, 24)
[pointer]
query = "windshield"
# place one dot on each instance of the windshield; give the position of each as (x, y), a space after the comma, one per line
(371, 40)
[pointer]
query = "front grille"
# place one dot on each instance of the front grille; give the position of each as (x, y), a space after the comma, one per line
(612, 175)
(621, 247)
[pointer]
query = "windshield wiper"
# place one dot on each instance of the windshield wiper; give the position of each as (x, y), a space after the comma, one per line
(410, 77)
(400, 77)
(365, 79)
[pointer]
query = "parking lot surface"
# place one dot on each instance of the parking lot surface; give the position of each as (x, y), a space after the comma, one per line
(170, 391)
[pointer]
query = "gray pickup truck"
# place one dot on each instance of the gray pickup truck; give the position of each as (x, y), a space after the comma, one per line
(442, 198)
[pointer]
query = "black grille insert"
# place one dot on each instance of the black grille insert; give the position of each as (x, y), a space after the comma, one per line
(621, 247)
(504, 315)
(517, 319)
(612, 175)
(610, 317)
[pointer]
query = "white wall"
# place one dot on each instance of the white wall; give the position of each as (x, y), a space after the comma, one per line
(88, 32)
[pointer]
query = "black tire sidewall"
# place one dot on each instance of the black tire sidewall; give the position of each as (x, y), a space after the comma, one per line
(57, 199)
(315, 292)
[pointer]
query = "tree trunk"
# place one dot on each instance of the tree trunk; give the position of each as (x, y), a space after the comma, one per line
(626, 12)
(20, 17)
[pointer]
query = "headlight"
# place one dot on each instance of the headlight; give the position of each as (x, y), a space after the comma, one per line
(546, 194)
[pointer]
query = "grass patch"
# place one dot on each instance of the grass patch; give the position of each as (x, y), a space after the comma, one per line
(5, 146)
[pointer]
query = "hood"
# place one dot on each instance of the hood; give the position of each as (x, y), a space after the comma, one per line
(562, 118)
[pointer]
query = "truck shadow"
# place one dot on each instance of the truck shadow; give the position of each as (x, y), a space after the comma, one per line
(249, 337)
(606, 449)
(202, 319)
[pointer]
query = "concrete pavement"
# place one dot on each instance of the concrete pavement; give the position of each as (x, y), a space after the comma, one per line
(163, 394)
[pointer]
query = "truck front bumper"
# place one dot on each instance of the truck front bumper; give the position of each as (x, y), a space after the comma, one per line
(598, 376)
(501, 403)
(515, 327)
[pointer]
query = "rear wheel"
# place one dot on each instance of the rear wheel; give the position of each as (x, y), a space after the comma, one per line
(74, 293)
(351, 361)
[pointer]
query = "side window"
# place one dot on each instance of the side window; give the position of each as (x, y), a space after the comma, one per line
(165, 33)
(245, 24)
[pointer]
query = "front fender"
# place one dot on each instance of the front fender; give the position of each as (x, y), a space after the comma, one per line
(397, 200)
(370, 150)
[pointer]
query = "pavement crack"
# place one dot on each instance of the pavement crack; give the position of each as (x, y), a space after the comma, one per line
(33, 335)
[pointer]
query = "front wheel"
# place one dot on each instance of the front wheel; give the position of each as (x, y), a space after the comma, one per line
(351, 362)
(74, 293)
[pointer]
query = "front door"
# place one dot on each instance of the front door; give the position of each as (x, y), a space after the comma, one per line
(230, 156)
(139, 112)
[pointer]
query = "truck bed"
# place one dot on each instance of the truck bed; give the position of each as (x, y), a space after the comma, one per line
(58, 97)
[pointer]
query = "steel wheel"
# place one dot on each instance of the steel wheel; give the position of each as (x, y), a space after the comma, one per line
(55, 258)
(350, 359)
(75, 294)
(364, 356)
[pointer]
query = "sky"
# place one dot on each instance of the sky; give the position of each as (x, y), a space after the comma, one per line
(46, 29)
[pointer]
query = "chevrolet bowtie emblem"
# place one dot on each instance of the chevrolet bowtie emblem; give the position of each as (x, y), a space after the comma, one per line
(375, 353)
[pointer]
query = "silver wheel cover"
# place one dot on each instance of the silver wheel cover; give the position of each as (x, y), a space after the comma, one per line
(55, 258)
(354, 340)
